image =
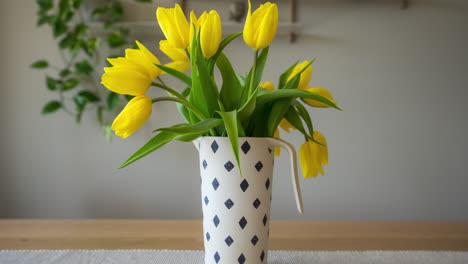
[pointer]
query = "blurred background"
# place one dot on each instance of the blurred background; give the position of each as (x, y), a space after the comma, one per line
(398, 151)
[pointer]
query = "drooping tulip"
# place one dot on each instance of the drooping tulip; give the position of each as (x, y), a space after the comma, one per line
(261, 26)
(313, 156)
(174, 25)
(133, 116)
(133, 74)
(321, 91)
(306, 75)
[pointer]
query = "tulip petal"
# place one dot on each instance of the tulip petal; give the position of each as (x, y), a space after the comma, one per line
(125, 80)
(321, 91)
(133, 116)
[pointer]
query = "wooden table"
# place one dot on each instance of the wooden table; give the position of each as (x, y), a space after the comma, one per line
(187, 234)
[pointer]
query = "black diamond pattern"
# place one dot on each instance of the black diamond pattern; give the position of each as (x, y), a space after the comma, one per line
(256, 203)
(204, 164)
(243, 222)
(229, 203)
(229, 166)
(208, 236)
(214, 146)
(229, 241)
(216, 220)
(259, 166)
(245, 147)
(241, 259)
(215, 184)
(267, 183)
(265, 219)
(269, 150)
(254, 240)
(262, 256)
(217, 257)
(206, 200)
(244, 185)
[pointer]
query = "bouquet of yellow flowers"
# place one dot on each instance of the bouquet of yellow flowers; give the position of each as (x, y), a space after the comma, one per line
(239, 106)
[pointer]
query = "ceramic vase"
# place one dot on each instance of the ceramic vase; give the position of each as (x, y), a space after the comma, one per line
(236, 206)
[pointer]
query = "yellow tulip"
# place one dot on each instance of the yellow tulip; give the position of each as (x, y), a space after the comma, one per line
(209, 27)
(179, 57)
(277, 149)
(321, 91)
(133, 74)
(305, 75)
(210, 34)
(261, 25)
(174, 25)
(312, 156)
(267, 86)
(133, 116)
(285, 125)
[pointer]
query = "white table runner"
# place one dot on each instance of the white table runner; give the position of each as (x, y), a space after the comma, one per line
(196, 257)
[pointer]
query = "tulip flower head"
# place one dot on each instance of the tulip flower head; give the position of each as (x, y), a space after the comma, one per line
(321, 91)
(174, 25)
(306, 75)
(261, 26)
(210, 30)
(179, 57)
(133, 74)
(133, 116)
(312, 156)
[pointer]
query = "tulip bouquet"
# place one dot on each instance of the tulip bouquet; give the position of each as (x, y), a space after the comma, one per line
(237, 106)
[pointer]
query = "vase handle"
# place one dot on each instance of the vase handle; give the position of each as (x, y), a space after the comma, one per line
(295, 178)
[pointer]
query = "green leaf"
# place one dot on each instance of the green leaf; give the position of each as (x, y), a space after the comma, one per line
(46, 20)
(112, 100)
(51, 107)
(269, 96)
(40, 64)
(306, 117)
(77, 3)
(200, 127)
(182, 108)
(45, 4)
(64, 73)
(70, 84)
(285, 75)
(83, 67)
(155, 143)
(89, 96)
(129, 97)
(221, 47)
(260, 65)
(294, 119)
(230, 122)
(277, 112)
(231, 90)
(99, 114)
(249, 107)
(51, 83)
(116, 39)
(177, 74)
(298, 76)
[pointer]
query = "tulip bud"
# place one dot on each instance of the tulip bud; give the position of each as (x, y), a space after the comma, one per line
(174, 25)
(320, 91)
(306, 75)
(261, 26)
(133, 116)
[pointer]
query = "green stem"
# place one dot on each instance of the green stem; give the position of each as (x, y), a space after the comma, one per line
(190, 106)
(254, 70)
(169, 90)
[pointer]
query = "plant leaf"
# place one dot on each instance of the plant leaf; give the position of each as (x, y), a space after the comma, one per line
(277, 112)
(40, 64)
(284, 76)
(177, 74)
(230, 122)
(112, 101)
(269, 96)
(51, 107)
(157, 142)
(200, 127)
(51, 83)
(89, 96)
(221, 47)
(231, 90)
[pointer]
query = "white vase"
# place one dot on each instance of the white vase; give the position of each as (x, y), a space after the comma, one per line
(236, 208)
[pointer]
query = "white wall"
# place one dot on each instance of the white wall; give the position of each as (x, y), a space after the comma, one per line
(397, 151)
